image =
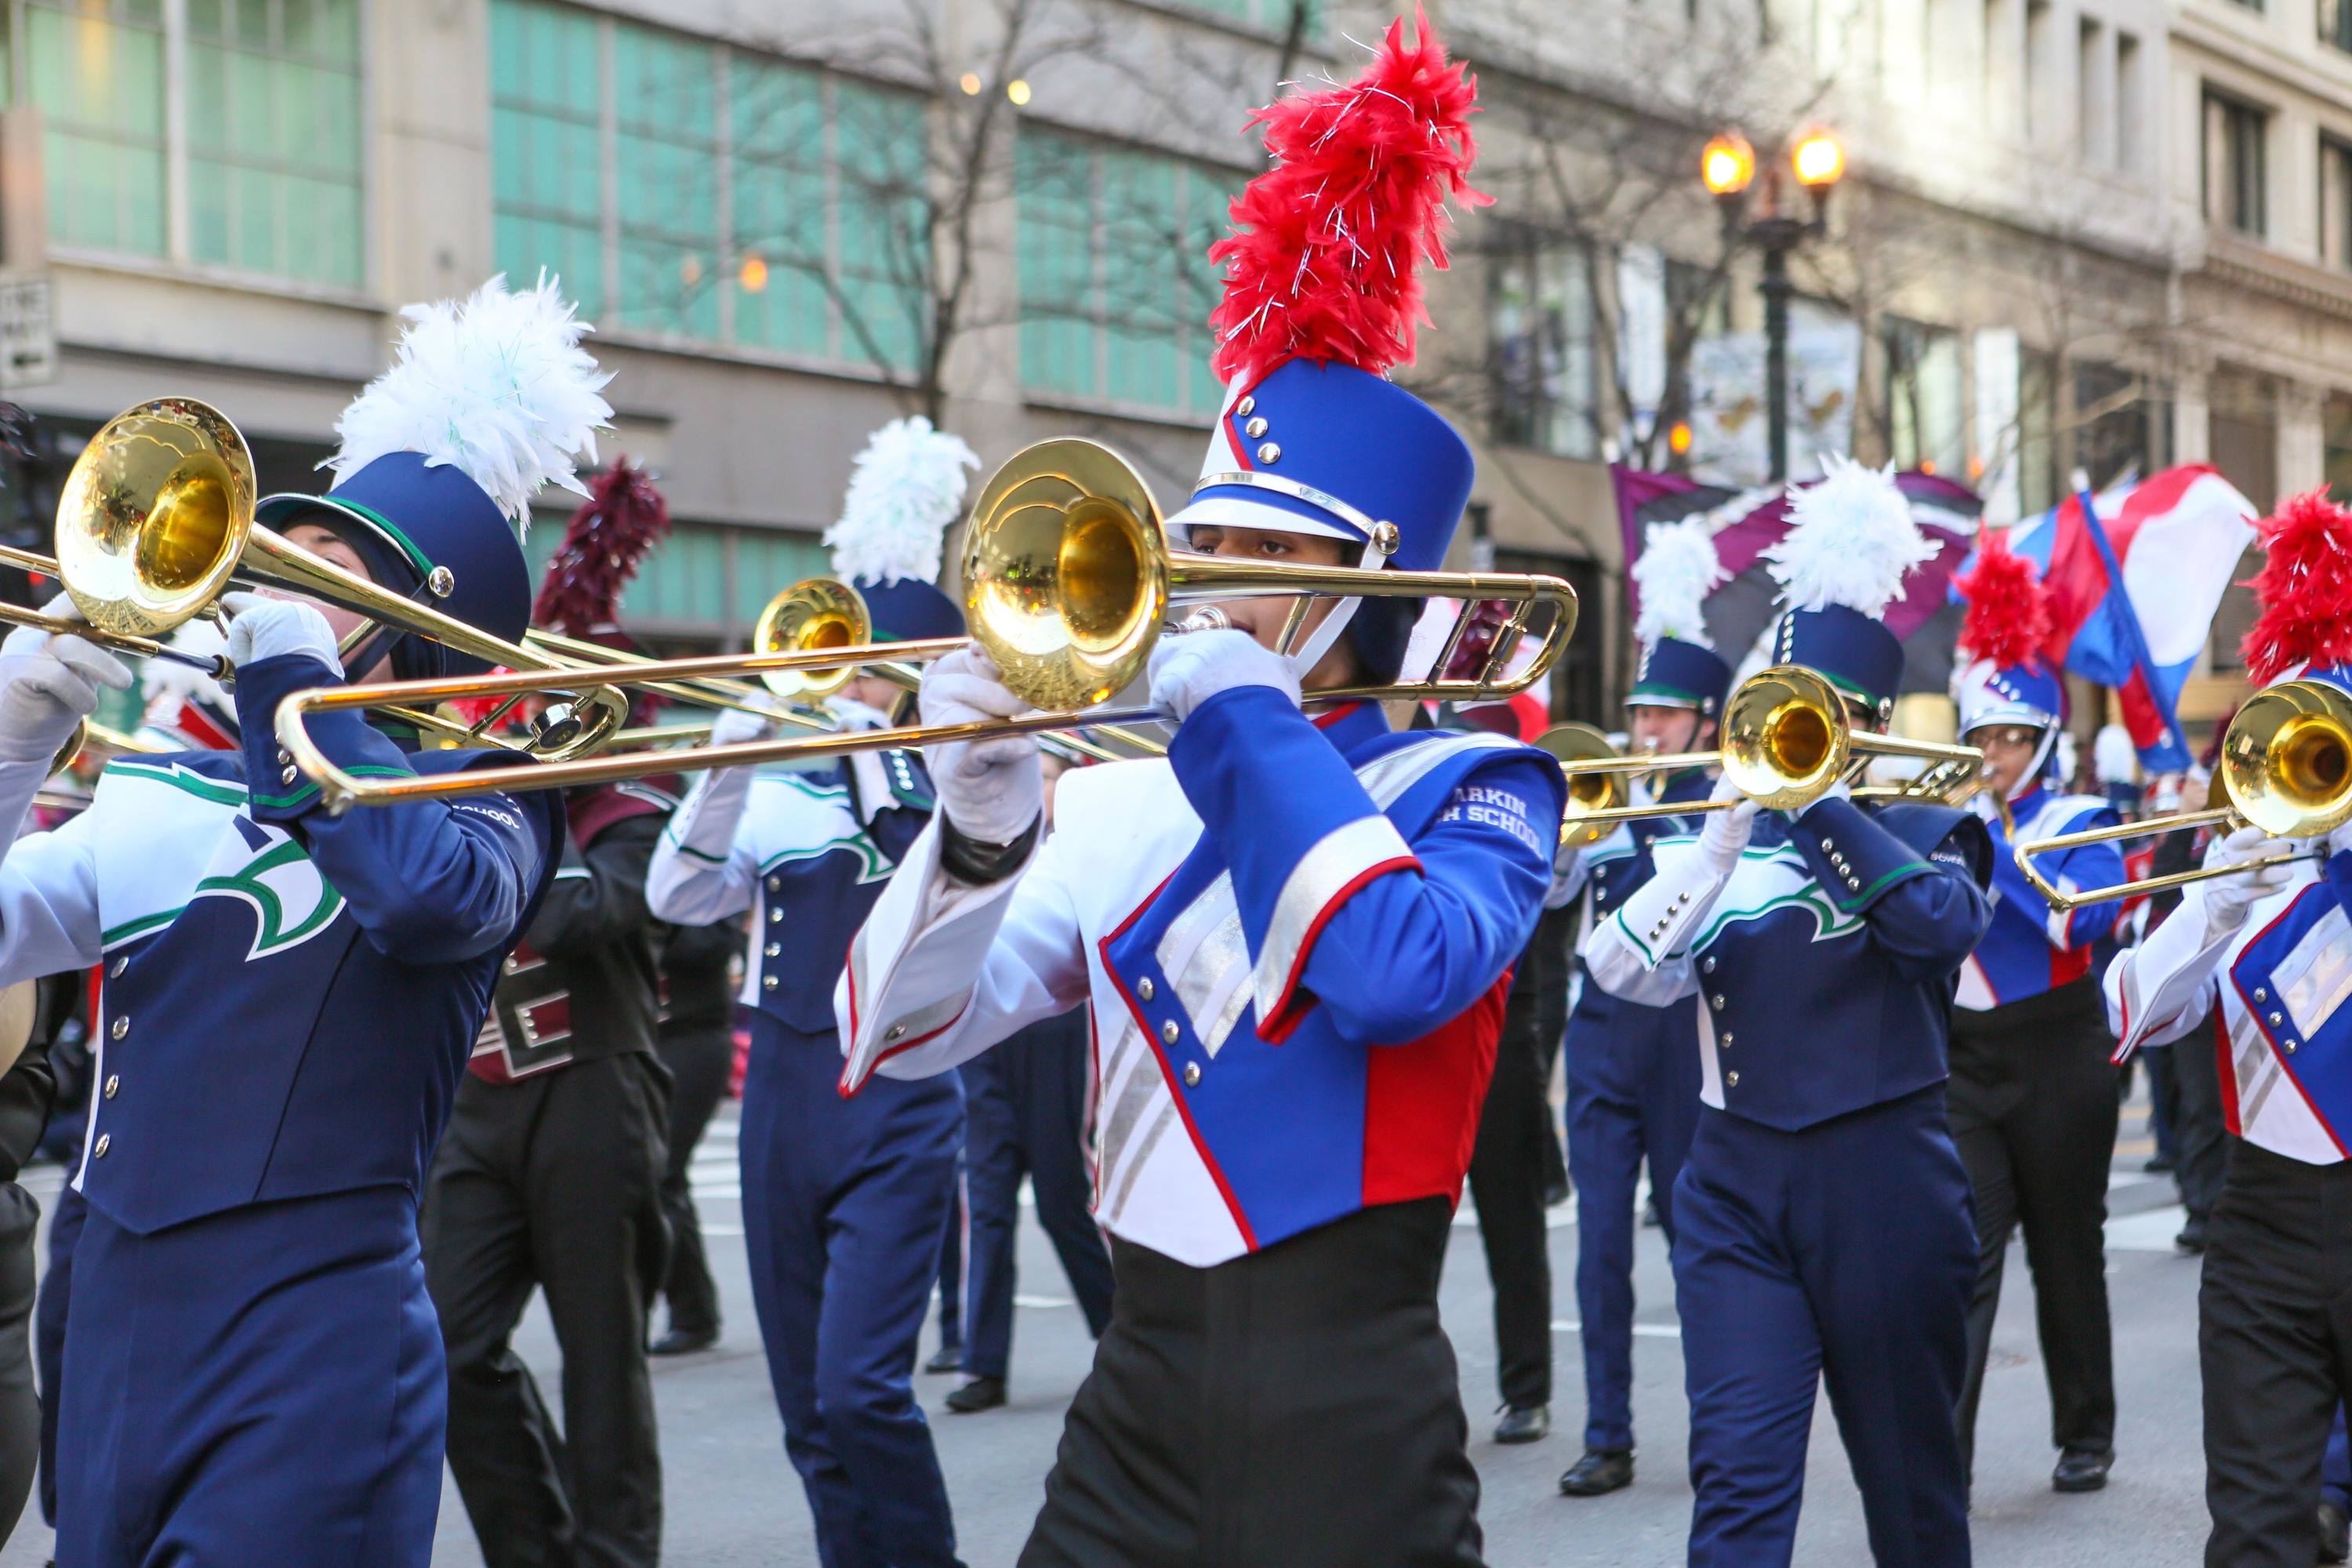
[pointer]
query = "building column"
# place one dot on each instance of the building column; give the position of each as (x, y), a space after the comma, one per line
(2191, 434)
(2302, 438)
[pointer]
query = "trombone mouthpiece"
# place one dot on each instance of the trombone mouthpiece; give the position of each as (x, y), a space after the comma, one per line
(1207, 618)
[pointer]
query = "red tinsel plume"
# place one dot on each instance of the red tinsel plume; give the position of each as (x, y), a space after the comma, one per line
(605, 542)
(2009, 617)
(2304, 587)
(1324, 259)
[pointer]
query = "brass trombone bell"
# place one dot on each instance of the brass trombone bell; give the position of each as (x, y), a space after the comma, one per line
(815, 613)
(1587, 792)
(2287, 768)
(1786, 740)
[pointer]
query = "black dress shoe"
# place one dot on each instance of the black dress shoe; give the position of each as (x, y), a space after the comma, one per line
(980, 1394)
(1523, 1425)
(947, 1358)
(2334, 1538)
(1602, 1470)
(2081, 1470)
(2191, 1239)
(683, 1341)
(2162, 1165)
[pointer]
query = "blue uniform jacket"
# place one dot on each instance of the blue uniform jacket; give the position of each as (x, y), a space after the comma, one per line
(1825, 962)
(289, 997)
(2028, 949)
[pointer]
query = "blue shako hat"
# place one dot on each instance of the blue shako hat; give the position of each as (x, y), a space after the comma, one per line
(1849, 546)
(1677, 674)
(2024, 694)
(1677, 569)
(406, 519)
(1324, 448)
(909, 610)
(489, 399)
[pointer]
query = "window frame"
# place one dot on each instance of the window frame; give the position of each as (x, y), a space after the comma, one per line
(2224, 117)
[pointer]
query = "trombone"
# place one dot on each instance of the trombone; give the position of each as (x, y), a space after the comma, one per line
(1786, 741)
(1068, 581)
(2287, 768)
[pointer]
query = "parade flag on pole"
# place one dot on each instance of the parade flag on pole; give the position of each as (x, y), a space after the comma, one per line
(2135, 575)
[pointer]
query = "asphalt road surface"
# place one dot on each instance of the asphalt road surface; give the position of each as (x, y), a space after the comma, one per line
(733, 1499)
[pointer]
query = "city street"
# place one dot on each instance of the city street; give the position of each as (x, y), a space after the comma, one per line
(733, 1499)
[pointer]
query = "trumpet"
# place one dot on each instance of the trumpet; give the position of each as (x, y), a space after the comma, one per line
(1069, 581)
(1785, 741)
(2287, 768)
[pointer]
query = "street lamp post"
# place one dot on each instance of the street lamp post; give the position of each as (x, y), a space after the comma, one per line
(1728, 167)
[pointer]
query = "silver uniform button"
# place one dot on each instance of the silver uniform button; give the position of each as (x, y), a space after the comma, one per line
(113, 1083)
(284, 755)
(1254, 429)
(2261, 994)
(119, 965)
(1191, 1074)
(1143, 988)
(1269, 452)
(287, 777)
(2276, 1019)
(1854, 884)
(775, 884)
(768, 981)
(1172, 1032)
(1247, 406)
(121, 1027)
(104, 1140)
(1708, 967)
(2290, 1047)
(775, 917)
(1715, 1000)
(1829, 843)
(1732, 1077)
(774, 948)
(895, 1032)
(1726, 1042)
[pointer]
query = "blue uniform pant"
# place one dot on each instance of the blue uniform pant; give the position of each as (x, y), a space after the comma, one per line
(2336, 1466)
(1632, 1094)
(1025, 1104)
(843, 1204)
(1842, 1253)
(263, 1385)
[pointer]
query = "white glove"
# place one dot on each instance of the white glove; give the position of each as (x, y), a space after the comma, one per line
(264, 628)
(1726, 833)
(2227, 899)
(1188, 670)
(733, 727)
(49, 684)
(991, 790)
(2340, 840)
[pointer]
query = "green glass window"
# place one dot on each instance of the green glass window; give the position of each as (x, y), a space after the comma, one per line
(96, 72)
(1279, 16)
(749, 199)
(273, 118)
(706, 579)
(1115, 285)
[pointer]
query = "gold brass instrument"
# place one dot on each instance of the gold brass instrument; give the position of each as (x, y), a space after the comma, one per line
(1587, 792)
(1785, 740)
(156, 520)
(2287, 768)
(1068, 583)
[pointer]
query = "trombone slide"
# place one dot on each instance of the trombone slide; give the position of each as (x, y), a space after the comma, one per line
(2216, 816)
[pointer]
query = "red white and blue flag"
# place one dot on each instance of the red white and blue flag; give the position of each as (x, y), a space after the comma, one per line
(2135, 575)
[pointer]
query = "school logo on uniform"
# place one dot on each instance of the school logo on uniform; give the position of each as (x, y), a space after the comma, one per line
(1764, 882)
(231, 857)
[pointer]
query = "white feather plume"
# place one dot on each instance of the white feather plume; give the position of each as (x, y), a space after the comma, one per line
(1850, 541)
(497, 385)
(2113, 757)
(1678, 570)
(906, 488)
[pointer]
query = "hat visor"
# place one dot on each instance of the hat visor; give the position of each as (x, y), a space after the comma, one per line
(1226, 509)
(280, 512)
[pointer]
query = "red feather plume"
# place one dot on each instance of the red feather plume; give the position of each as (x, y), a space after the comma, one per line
(2304, 587)
(604, 543)
(1324, 259)
(2009, 618)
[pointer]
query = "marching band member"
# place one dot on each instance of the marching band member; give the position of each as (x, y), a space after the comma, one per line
(252, 1370)
(2033, 1098)
(845, 1201)
(549, 1177)
(1294, 933)
(1633, 1070)
(1823, 1213)
(2270, 947)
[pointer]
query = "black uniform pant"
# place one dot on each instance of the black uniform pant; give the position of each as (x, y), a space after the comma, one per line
(20, 1408)
(553, 1181)
(1296, 1407)
(2275, 1340)
(1025, 1105)
(2201, 1136)
(1507, 1170)
(700, 1062)
(2032, 1105)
